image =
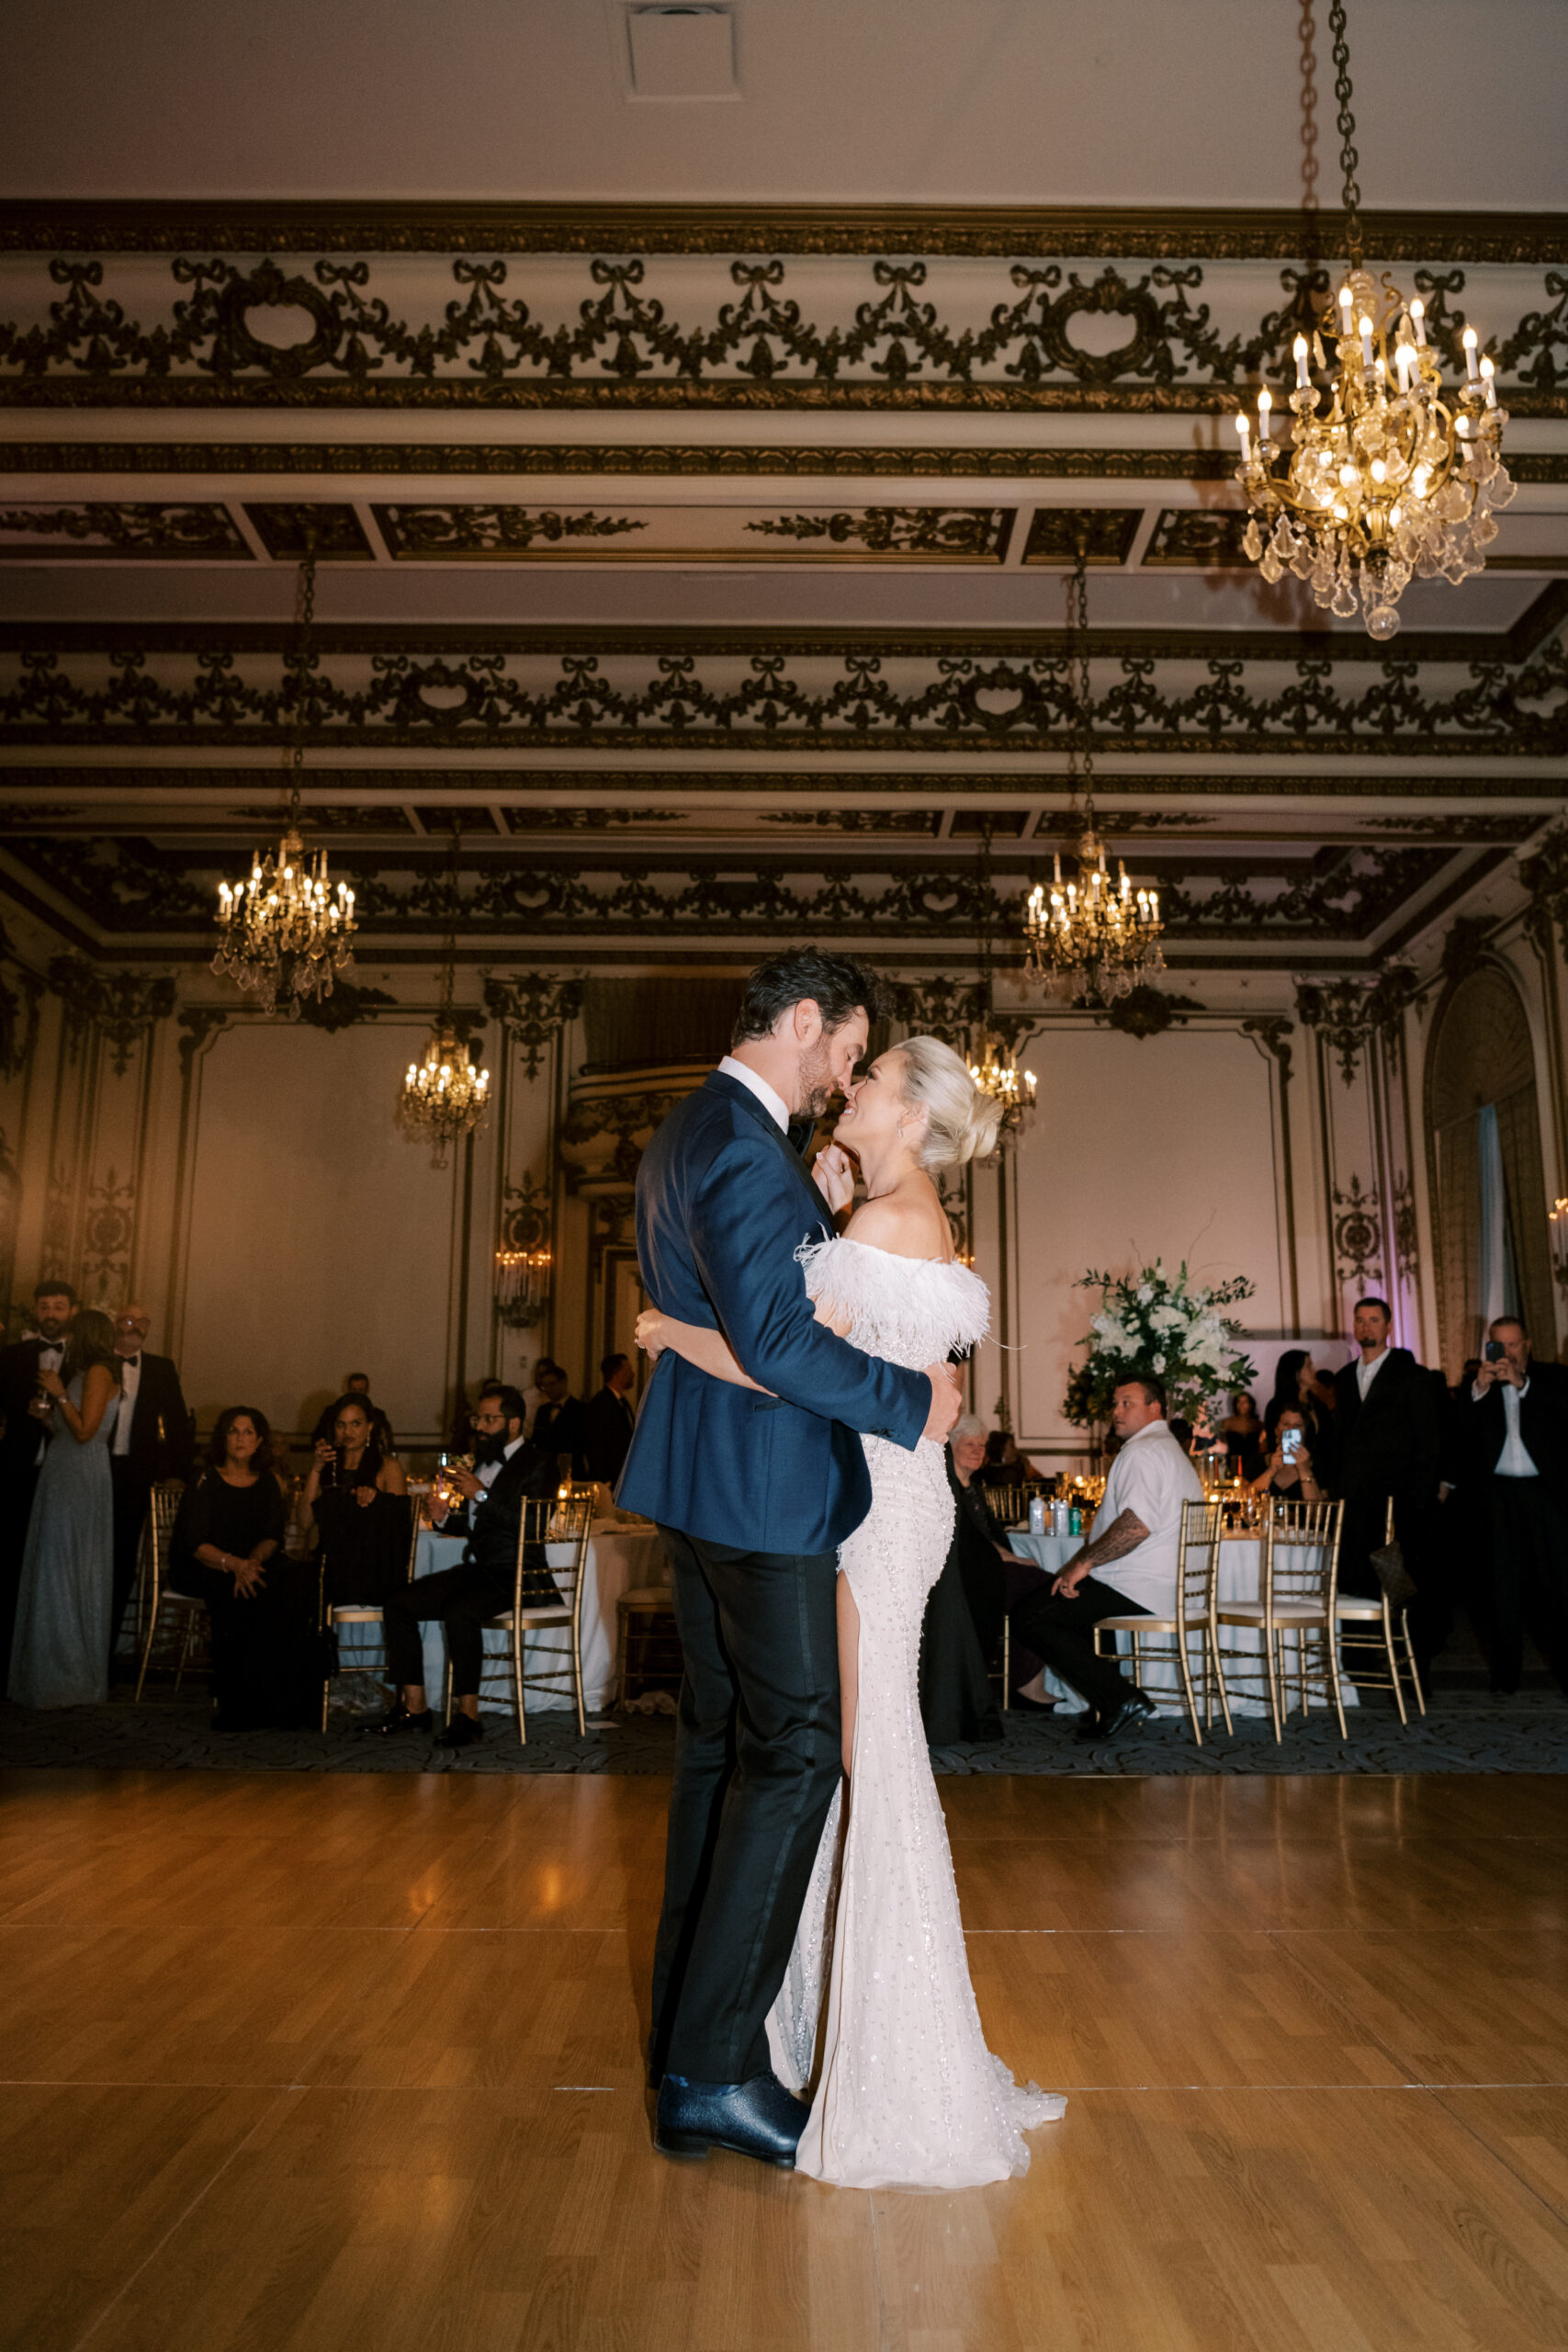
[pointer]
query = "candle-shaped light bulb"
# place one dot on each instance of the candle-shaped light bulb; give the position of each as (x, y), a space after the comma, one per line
(1056, 864)
(1346, 299)
(1303, 380)
(1243, 427)
(1418, 321)
(1265, 403)
(1472, 368)
(1404, 360)
(1488, 377)
(1365, 325)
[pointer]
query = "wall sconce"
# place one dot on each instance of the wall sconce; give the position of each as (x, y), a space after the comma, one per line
(524, 1262)
(1558, 1221)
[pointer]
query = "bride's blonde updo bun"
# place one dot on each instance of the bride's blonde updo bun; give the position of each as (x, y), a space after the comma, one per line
(961, 1122)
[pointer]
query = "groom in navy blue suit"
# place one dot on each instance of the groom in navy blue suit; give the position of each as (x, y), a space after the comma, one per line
(754, 1493)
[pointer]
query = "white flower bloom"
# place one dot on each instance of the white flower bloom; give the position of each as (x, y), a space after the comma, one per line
(1159, 1363)
(1146, 1294)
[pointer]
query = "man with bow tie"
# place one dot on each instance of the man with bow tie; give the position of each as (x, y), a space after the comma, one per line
(27, 1432)
(151, 1441)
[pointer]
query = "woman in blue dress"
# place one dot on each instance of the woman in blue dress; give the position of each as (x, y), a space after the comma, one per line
(59, 1656)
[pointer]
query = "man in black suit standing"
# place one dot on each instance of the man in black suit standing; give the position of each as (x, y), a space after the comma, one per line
(559, 1430)
(609, 1420)
(151, 1441)
(1388, 1438)
(25, 1438)
(505, 1474)
(1517, 1431)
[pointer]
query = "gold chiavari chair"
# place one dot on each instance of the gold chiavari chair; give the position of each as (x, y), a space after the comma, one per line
(1354, 1609)
(1301, 1574)
(544, 1599)
(1197, 1595)
(155, 1594)
(331, 1614)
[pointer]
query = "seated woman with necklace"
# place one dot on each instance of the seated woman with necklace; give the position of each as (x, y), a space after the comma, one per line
(226, 1552)
(357, 1496)
(1289, 1474)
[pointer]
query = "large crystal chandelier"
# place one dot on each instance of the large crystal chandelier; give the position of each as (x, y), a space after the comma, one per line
(444, 1096)
(283, 930)
(1091, 935)
(1393, 481)
(993, 1064)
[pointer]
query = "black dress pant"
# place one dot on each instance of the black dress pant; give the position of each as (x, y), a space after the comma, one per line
(16, 1510)
(1061, 1629)
(1527, 1581)
(132, 1492)
(267, 1671)
(461, 1599)
(757, 1760)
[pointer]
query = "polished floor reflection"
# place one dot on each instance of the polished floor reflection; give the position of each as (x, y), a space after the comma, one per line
(294, 2061)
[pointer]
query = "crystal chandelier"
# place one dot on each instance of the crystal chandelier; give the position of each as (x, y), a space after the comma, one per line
(1092, 936)
(444, 1096)
(285, 930)
(1392, 482)
(993, 1065)
(524, 1262)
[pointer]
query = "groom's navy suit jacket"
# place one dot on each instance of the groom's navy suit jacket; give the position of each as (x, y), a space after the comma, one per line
(722, 1205)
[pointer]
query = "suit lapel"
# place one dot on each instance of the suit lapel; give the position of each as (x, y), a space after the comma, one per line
(733, 1092)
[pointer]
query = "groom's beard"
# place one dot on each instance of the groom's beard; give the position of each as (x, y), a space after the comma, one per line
(489, 1450)
(818, 1087)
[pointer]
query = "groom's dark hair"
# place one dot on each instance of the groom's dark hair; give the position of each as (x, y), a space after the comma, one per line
(836, 985)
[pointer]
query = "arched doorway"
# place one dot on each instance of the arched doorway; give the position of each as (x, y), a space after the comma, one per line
(1491, 1246)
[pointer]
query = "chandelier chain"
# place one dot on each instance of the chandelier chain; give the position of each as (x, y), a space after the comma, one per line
(1077, 629)
(1350, 161)
(304, 620)
(1307, 31)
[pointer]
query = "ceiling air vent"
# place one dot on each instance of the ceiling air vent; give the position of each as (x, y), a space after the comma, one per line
(682, 51)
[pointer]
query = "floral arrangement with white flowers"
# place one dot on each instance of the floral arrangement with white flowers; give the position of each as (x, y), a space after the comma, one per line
(1156, 1322)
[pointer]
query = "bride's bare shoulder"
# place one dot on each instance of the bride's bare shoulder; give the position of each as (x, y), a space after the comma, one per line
(905, 1226)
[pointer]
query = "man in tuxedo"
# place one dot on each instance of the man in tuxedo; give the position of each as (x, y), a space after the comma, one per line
(1388, 1444)
(608, 1421)
(151, 1441)
(754, 1493)
(1516, 1458)
(25, 1437)
(559, 1425)
(503, 1476)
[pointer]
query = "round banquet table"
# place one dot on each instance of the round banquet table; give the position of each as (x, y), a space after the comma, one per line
(1241, 1570)
(620, 1557)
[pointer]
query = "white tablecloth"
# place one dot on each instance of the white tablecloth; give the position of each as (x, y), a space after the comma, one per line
(619, 1559)
(1241, 1570)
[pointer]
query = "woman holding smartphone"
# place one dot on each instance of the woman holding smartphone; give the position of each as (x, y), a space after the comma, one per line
(1289, 1472)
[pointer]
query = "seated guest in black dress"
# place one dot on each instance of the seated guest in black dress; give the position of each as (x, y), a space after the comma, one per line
(1300, 1387)
(506, 1473)
(1003, 1465)
(1288, 1472)
(979, 1583)
(357, 1496)
(226, 1552)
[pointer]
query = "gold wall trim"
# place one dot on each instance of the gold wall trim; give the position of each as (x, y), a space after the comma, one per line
(644, 458)
(1139, 232)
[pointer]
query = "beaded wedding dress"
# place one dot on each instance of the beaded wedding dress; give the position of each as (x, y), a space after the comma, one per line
(907, 2094)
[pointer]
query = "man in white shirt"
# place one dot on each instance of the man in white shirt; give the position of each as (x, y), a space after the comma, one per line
(1516, 1418)
(1136, 1541)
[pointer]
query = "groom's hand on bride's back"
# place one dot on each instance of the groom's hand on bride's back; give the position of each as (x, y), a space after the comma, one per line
(946, 1402)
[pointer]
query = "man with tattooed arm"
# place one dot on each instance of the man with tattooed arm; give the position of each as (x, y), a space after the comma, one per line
(1127, 1568)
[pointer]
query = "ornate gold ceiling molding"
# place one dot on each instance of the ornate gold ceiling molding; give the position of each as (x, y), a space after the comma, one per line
(122, 796)
(472, 640)
(371, 457)
(1135, 233)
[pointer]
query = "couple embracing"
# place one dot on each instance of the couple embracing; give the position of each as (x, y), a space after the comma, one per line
(811, 1997)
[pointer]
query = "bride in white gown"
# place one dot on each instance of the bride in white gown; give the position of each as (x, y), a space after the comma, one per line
(876, 2018)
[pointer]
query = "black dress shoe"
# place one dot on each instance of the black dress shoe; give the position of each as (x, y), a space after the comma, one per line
(461, 1732)
(400, 1720)
(1131, 1715)
(1088, 1726)
(758, 2118)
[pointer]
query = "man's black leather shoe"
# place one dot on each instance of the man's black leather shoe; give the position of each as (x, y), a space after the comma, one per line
(461, 1732)
(758, 2118)
(1131, 1715)
(400, 1720)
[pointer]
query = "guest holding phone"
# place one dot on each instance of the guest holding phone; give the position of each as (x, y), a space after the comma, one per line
(1288, 1474)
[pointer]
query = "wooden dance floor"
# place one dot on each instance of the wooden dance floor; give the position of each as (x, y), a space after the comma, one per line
(306, 2064)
